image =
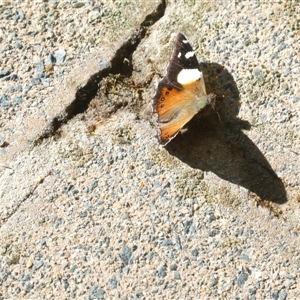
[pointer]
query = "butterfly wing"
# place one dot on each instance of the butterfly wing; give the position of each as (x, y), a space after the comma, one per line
(183, 58)
(181, 93)
(178, 107)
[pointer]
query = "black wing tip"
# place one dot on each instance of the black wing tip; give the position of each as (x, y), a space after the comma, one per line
(181, 36)
(182, 40)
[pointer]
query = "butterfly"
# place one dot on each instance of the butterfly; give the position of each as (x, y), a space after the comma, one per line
(181, 93)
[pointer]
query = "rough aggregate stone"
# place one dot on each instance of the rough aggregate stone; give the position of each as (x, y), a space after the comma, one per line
(108, 212)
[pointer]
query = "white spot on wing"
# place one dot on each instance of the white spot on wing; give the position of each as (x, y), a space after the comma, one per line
(185, 41)
(179, 55)
(187, 76)
(189, 54)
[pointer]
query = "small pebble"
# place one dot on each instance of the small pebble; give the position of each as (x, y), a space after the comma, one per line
(60, 56)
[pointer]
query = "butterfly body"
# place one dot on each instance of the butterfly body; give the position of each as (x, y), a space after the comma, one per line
(181, 93)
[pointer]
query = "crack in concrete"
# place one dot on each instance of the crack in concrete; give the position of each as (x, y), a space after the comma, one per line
(86, 93)
(28, 194)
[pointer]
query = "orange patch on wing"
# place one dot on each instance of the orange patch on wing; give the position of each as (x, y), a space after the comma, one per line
(170, 101)
(170, 130)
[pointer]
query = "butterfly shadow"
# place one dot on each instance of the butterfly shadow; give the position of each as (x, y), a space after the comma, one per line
(214, 141)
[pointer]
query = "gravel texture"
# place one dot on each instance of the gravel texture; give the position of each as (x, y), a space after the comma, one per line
(96, 209)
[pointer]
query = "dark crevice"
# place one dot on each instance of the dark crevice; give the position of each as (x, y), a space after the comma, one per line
(120, 64)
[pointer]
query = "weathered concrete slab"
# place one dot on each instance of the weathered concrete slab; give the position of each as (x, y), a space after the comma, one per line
(76, 46)
(99, 210)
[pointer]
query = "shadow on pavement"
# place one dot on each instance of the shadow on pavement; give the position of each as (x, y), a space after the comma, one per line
(216, 142)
